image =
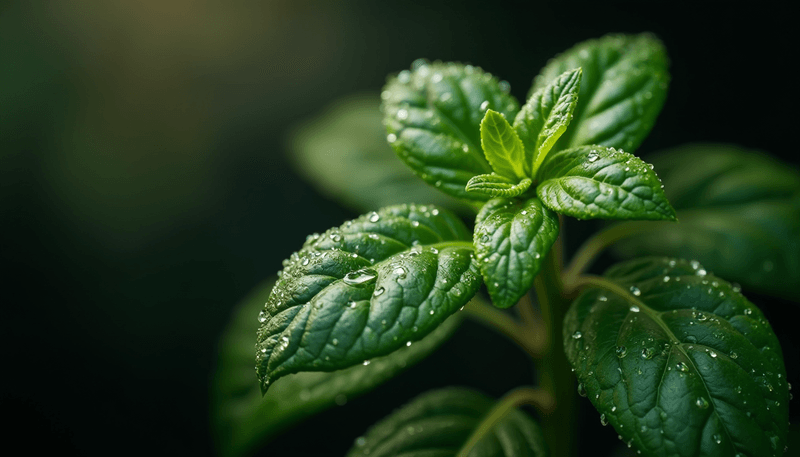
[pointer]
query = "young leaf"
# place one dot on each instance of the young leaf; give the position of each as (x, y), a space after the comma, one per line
(242, 419)
(596, 182)
(364, 290)
(497, 186)
(739, 213)
(502, 146)
(512, 239)
(679, 362)
(438, 423)
(348, 140)
(433, 116)
(545, 117)
(625, 79)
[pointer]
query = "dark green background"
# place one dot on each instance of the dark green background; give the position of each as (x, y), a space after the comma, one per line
(146, 187)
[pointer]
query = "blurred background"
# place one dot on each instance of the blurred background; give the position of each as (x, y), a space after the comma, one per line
(147, 184)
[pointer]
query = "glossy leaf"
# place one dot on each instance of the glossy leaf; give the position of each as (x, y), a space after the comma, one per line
(433, 115)
(438, 423)
(497, 186)
(679, 362)
(365, 289)
(624, 85)
(502, 147)
(343, 153)
(512, 239)
(545, 117)
(740, 216)
(242, 419)
(595, 182)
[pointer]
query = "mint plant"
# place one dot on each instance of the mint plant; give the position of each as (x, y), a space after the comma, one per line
(674, 358)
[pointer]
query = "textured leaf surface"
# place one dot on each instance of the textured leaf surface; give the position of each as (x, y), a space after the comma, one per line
(679, 362)
(501, 146)
(512, 239)
(545, 117)
(497, 186)
(364, 290)
(595, 182)
(343, 153)
(739, 213)
(433, 115)
(438, 423)
(624, 85)
(243, 420)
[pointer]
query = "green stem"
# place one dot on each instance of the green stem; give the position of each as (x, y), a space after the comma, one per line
(590, 249)
(529, 341)
(555, 376)
(540, 399)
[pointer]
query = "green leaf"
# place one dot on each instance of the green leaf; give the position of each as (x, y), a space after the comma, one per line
(439, 422)
(347, 140)
(679, 362)
(364, 290)
(545, 117)
(242, 419)
(625, 79)
(433, 116)
(512, 239)
(740, 216)
(596, 182)
(502, 147)
(497, 186)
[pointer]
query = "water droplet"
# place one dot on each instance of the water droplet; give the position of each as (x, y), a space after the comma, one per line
(359, 277)
(379, 291)
(748, 311)
(400, 271)
(634, 308)
(621, 351)
(647, 353)
(431, 312)
(408, 343)
(666, 278)
(335, 342)
(366, 362)
(635, 291)
(361, 441)
(682, 367)
(701, 272)
(701, 403)
(695, 264)
(592, 157)
(262, 316)
(603, 420)
(712, 354)
(602, 298)
(537, 256)
(434, 251)
(445, 97)
(485, 239)
(577, 335)
(581, 389)
(484, 105)
(717, 439)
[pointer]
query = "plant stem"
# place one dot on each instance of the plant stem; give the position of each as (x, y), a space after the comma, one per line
(588, 252)
(530, 342)
(540, 399)
(555, 376)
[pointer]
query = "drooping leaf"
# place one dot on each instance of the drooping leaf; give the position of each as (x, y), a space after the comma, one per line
(740, 216)
(365, 289)
(546, 116)
(624, 85)
(343, 153)
(438, 423)
(502, 147)
(497, 186)
(243, 419)
(433, 115)
(596, 182)
(512, 239)
(679, 362)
